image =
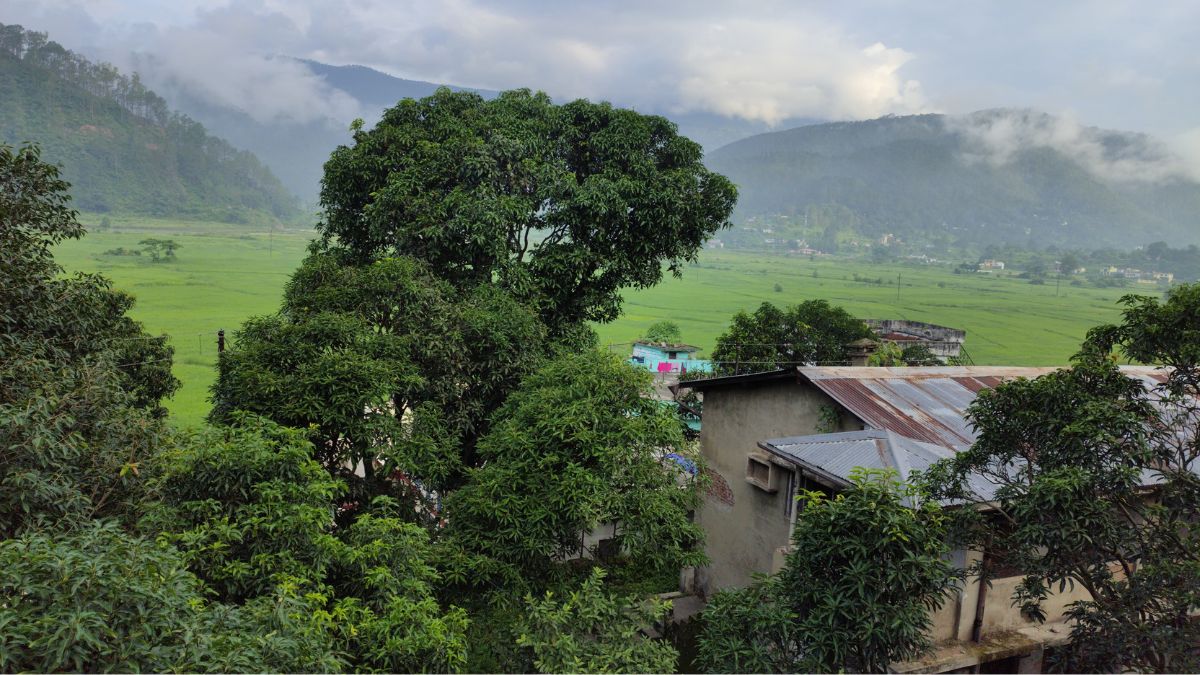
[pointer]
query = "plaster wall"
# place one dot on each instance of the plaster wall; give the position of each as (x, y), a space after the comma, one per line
(744, 526)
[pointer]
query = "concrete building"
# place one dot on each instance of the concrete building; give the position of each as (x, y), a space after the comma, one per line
(943, 342)
(768, 434)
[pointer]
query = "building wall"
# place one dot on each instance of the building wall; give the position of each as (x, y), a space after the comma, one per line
(929, 331)
(745, 526)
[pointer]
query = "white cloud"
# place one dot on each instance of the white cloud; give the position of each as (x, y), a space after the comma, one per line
(1188, 145)
(215, 69)
(671, 58)
(770, 71)
(999, 136)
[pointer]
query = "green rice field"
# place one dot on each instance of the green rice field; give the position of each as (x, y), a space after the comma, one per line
(224, 273)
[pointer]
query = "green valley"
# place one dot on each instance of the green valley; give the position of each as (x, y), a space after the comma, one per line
(224, 273)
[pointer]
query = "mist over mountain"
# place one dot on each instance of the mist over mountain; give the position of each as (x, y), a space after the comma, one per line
(995, 176)
(296, 150)
(122, 148)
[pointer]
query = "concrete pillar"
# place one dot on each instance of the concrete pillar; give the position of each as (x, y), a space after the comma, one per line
(1032, 662)
(970, 591)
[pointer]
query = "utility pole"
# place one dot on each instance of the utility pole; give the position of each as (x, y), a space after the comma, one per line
(897, 288)
(221, 341)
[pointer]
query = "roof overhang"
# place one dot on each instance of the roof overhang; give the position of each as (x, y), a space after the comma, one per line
(741, 380)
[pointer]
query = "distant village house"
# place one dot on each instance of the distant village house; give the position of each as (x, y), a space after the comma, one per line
(943, 342)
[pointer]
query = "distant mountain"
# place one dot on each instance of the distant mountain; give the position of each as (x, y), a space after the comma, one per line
(121, 147)
(297, 152)
(998, 176)
(377, 90)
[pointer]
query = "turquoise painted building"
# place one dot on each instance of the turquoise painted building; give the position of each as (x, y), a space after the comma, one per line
(663, 357)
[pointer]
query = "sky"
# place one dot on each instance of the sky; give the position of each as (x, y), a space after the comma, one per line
(1121, 65)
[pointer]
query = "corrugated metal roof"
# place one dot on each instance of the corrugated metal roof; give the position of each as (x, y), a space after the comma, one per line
(916, 415)
(926, 404)
(832, 457)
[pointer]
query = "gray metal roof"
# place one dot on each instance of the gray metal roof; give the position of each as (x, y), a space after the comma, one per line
(927, 404)
(831, 457)
(916, 416)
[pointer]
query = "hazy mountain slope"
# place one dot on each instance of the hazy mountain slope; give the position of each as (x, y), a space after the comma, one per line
(995, 176)
(376, 89)
(121, 148)
(296, 152)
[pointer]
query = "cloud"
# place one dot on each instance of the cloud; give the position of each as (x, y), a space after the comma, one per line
(227, 56)
(770, 71)
(999, 136)
(1188, 146)
(766, 65)
(673, 58)
(267, 87)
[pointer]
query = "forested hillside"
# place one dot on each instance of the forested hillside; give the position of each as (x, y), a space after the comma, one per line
(992, 177)
(122, 148)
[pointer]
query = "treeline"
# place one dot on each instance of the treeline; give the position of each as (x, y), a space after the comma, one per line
(125, 149)
(1183, 262)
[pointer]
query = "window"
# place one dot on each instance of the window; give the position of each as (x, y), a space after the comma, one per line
(672, 355)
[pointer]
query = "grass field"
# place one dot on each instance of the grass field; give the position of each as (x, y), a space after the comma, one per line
(1008, 321)
(222, 274)
(225, 273)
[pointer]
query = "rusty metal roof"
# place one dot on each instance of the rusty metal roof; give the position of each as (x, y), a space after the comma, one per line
(926, 404)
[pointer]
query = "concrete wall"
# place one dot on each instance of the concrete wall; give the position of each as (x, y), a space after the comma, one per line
(929, 331)
(743, 525)
(999, 614)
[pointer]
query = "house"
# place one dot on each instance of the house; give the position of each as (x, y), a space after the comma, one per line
(991, 266)
(943, 342)
(767, 435)
(665, 357)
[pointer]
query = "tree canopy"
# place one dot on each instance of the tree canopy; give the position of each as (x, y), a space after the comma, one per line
(561, 205)
(1097, 489)
(811, 332)
(80, 382)
(663, 331)
(591, 631)
(577, 445)
(866, 569)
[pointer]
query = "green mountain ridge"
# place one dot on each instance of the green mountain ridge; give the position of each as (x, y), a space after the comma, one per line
(123, 150)
(933, 176)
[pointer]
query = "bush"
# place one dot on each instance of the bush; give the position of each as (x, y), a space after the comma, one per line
(132, 606)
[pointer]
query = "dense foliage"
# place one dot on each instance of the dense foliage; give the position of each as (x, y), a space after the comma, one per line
(591, 631)
(579, 444)
(1097, 489)
(411, 446)
(866, 570)
(813, 332)
(663, 331)
(750, 630)
(80, 382)
(97, 599)
(391, 369)
(560, 205)
(123, 148)
(126, 548)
